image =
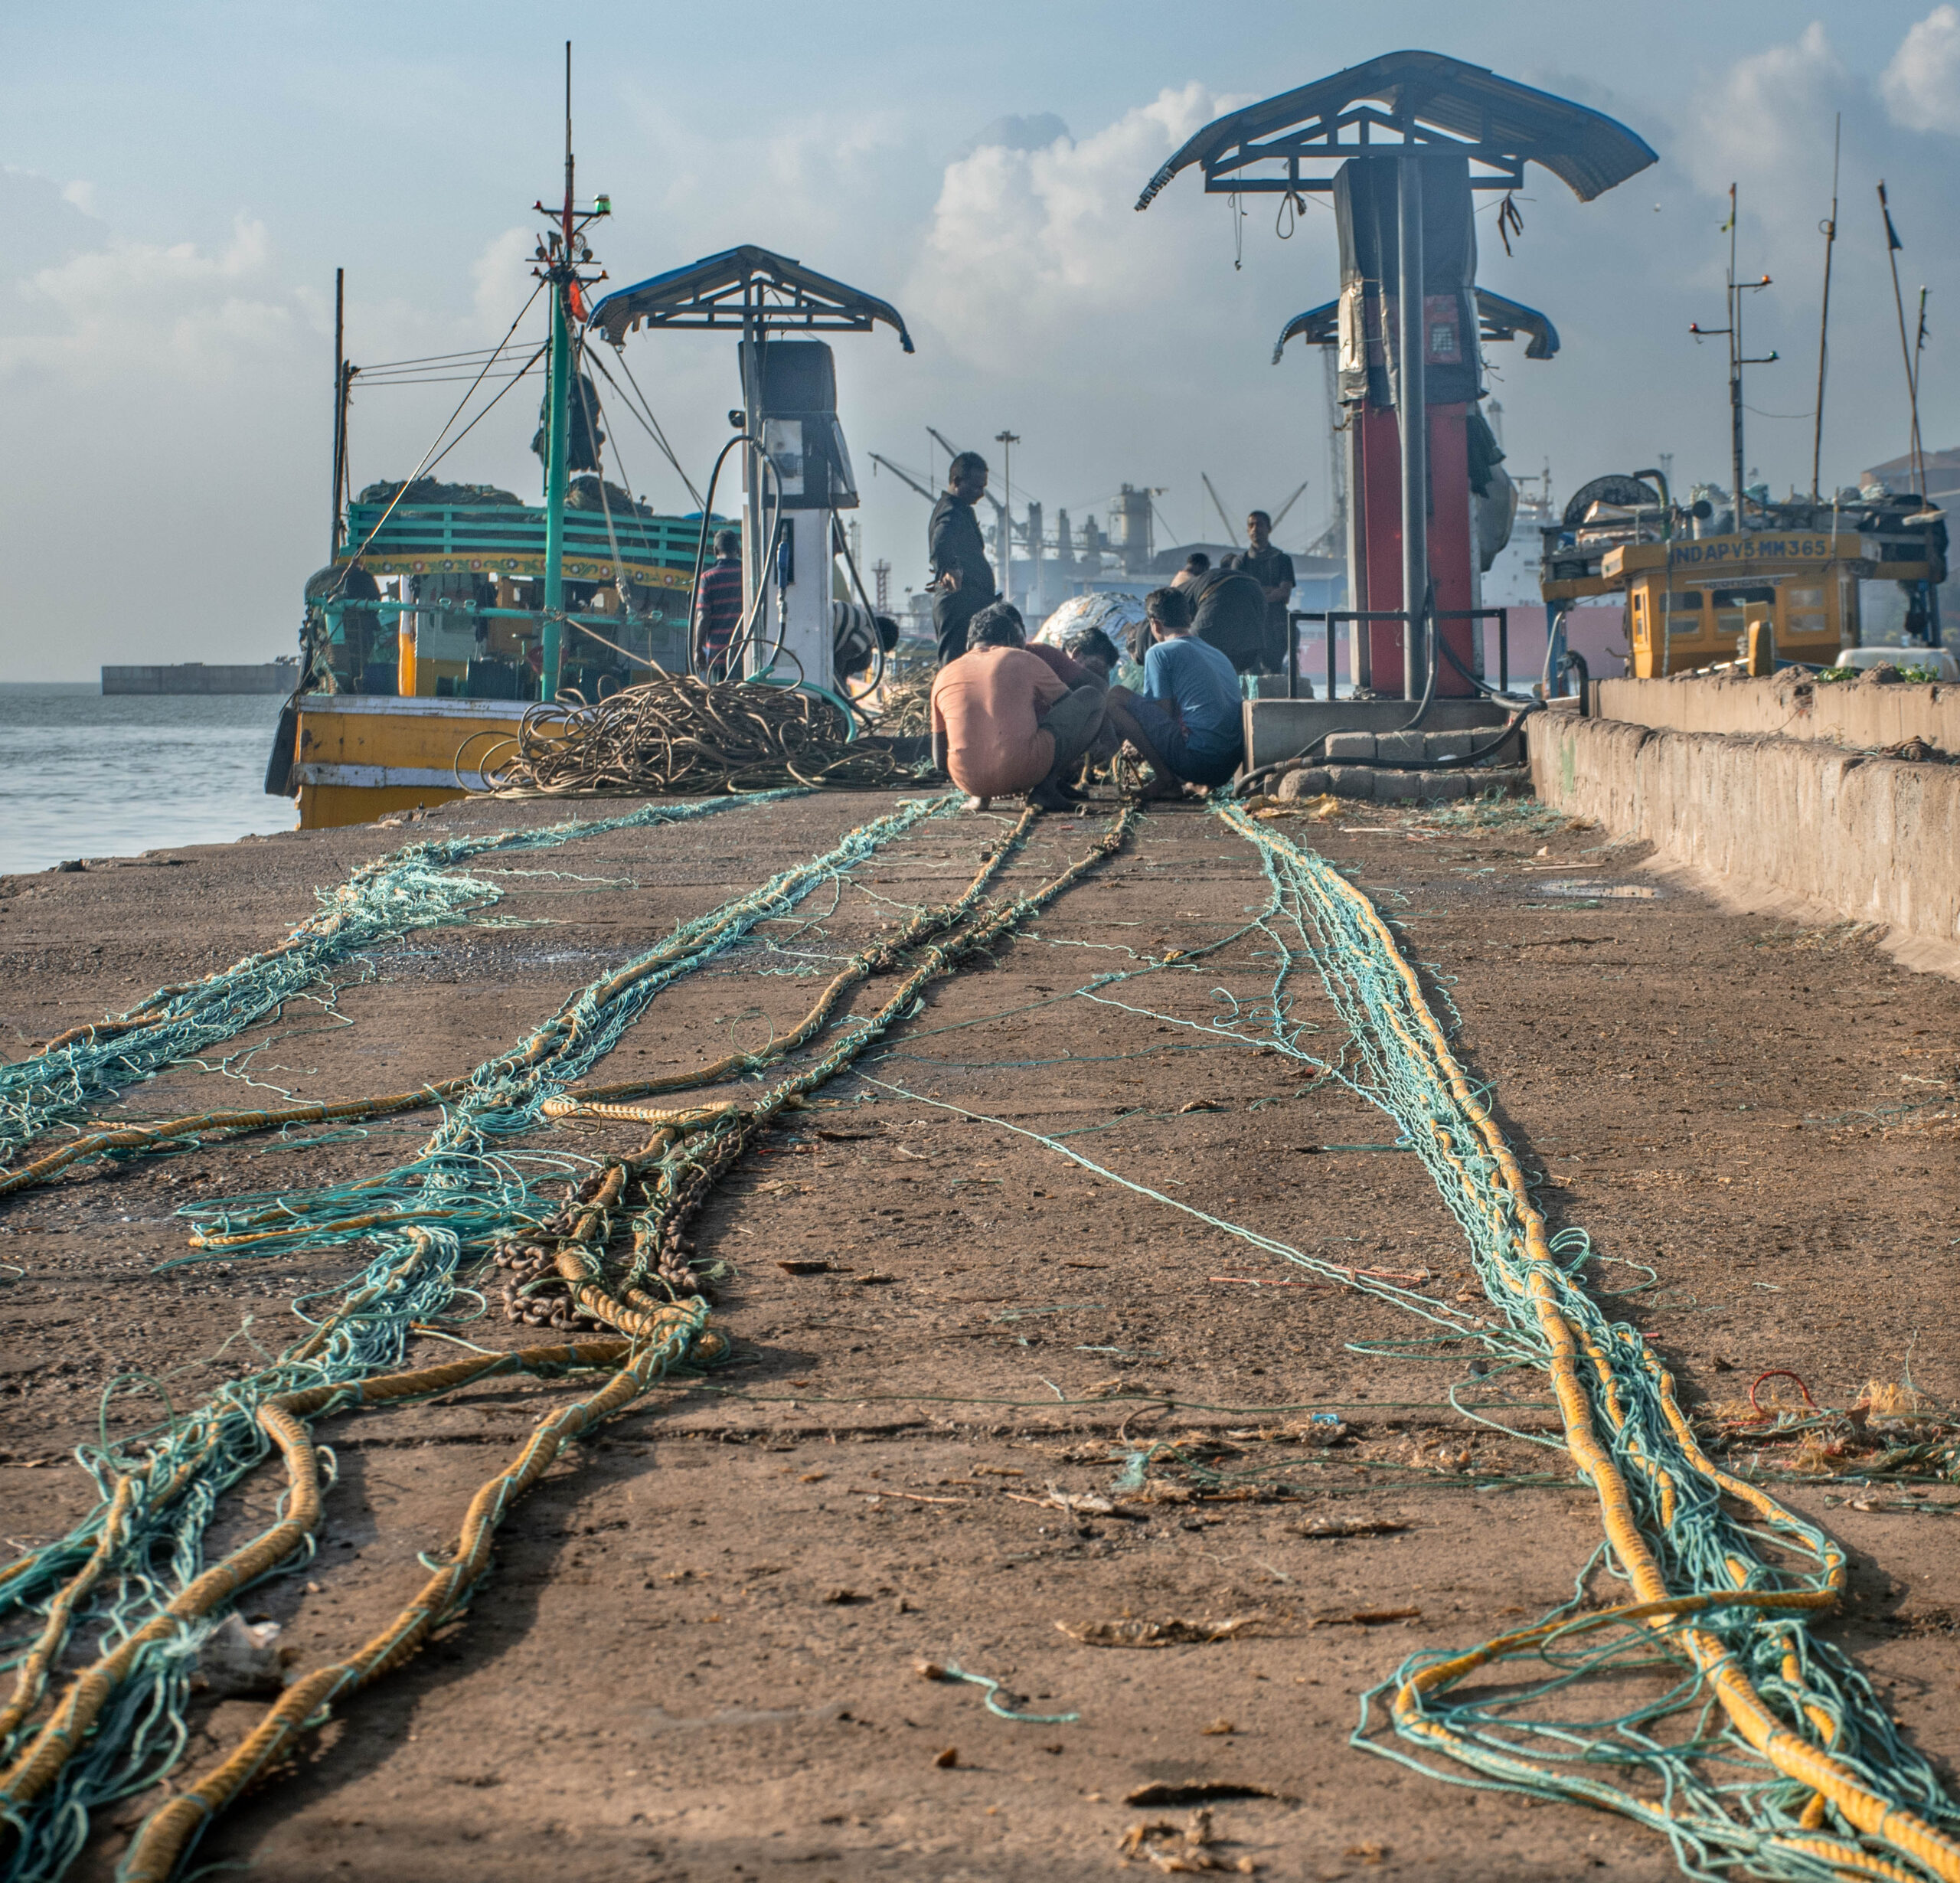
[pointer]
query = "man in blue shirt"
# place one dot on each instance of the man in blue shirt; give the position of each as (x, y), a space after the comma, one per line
(1187, 724)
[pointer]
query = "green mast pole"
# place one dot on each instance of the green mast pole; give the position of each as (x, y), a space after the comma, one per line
(559, 444)
(554, 494)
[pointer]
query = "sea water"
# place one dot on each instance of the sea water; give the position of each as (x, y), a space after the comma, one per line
(83, 774)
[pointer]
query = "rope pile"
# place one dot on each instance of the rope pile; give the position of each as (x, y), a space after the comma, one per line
(675, 734)
(907, 711)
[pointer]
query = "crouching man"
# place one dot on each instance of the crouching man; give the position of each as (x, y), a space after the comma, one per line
(1004, 722)
(1187, 725)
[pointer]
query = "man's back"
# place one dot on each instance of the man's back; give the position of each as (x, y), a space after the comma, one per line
(1230, 609)
(1206, 687)
(1271, 568)
(987, 704)
(719, 599)
(953, 542)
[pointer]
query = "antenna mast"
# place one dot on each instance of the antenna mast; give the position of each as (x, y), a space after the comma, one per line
(1824, 318)
(340, 405)
(1732, 302)
(1892, 245)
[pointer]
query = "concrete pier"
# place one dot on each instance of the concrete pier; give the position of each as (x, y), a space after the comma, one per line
(193, 676)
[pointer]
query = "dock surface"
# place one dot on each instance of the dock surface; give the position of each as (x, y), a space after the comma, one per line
(695, 1656)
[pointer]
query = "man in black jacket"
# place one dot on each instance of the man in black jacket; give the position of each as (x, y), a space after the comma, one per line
(1272, 570)
(962, 578)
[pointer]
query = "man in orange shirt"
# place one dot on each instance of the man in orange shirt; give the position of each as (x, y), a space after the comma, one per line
(1004, 722)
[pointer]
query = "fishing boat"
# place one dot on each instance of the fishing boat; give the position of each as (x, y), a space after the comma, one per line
(450, 613)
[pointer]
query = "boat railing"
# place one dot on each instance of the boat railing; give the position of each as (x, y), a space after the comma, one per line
(509, 539)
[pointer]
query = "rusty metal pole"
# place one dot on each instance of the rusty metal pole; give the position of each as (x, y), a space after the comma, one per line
(1413, 411)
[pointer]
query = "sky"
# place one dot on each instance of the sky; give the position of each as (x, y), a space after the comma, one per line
(179, 183)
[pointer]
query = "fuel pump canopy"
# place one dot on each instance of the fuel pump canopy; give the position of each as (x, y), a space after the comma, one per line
(1425, 98)
(1402, 143)
(742, 290)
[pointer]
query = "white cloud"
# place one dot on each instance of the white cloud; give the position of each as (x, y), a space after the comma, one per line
(1921, 86)
(1025, 245)
(502, 274)
(176, 308)
(1759, 125)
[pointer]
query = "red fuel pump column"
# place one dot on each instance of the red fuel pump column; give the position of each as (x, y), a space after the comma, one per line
(1375, 479)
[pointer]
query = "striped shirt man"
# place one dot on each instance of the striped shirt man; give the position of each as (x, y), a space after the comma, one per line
(718, 604)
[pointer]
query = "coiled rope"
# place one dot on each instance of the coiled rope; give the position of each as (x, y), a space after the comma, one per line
(675, 733)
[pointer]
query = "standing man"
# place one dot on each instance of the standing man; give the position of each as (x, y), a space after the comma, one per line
(962, 581)
(1272, 568)
(718, 605)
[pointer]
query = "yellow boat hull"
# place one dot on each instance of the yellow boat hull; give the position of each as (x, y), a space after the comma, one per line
(362, 755)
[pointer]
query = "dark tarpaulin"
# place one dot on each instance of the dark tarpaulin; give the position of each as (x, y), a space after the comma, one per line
(1366, 194)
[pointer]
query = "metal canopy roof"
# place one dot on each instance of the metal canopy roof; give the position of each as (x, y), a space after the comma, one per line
(742, 290)
(1454, 109)
(1497, 320)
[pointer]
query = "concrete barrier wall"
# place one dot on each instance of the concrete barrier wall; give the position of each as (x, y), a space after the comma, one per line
(1774, 823)
(1848, 712)
(195, 677)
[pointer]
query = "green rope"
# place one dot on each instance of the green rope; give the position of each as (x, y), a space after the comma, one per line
(1721, 1806)
(442, 1210)
(416, 887)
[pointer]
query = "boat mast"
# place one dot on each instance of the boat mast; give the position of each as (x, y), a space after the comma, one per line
(559, 386)
(1732, 300)
(1823, 319)
(340, 405)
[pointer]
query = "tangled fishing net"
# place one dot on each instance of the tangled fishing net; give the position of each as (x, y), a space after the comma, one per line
(674, 733)
(907, 713)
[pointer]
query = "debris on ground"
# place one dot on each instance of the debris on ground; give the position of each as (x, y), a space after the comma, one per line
(1347, 1526)
(1180, 1849)
(1130, 1632)
(237, 1660)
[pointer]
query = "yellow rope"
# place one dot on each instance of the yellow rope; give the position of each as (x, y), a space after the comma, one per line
(1656, 1607)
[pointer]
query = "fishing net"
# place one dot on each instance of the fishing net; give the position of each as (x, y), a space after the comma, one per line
(420, 887)
(133, 1570)
(1753, 1746)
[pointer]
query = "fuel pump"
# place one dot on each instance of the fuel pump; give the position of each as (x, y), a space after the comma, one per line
(789, 414)
(789, 387)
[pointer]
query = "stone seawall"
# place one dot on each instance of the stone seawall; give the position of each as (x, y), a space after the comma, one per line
(1791, 825)
(1847, 713)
